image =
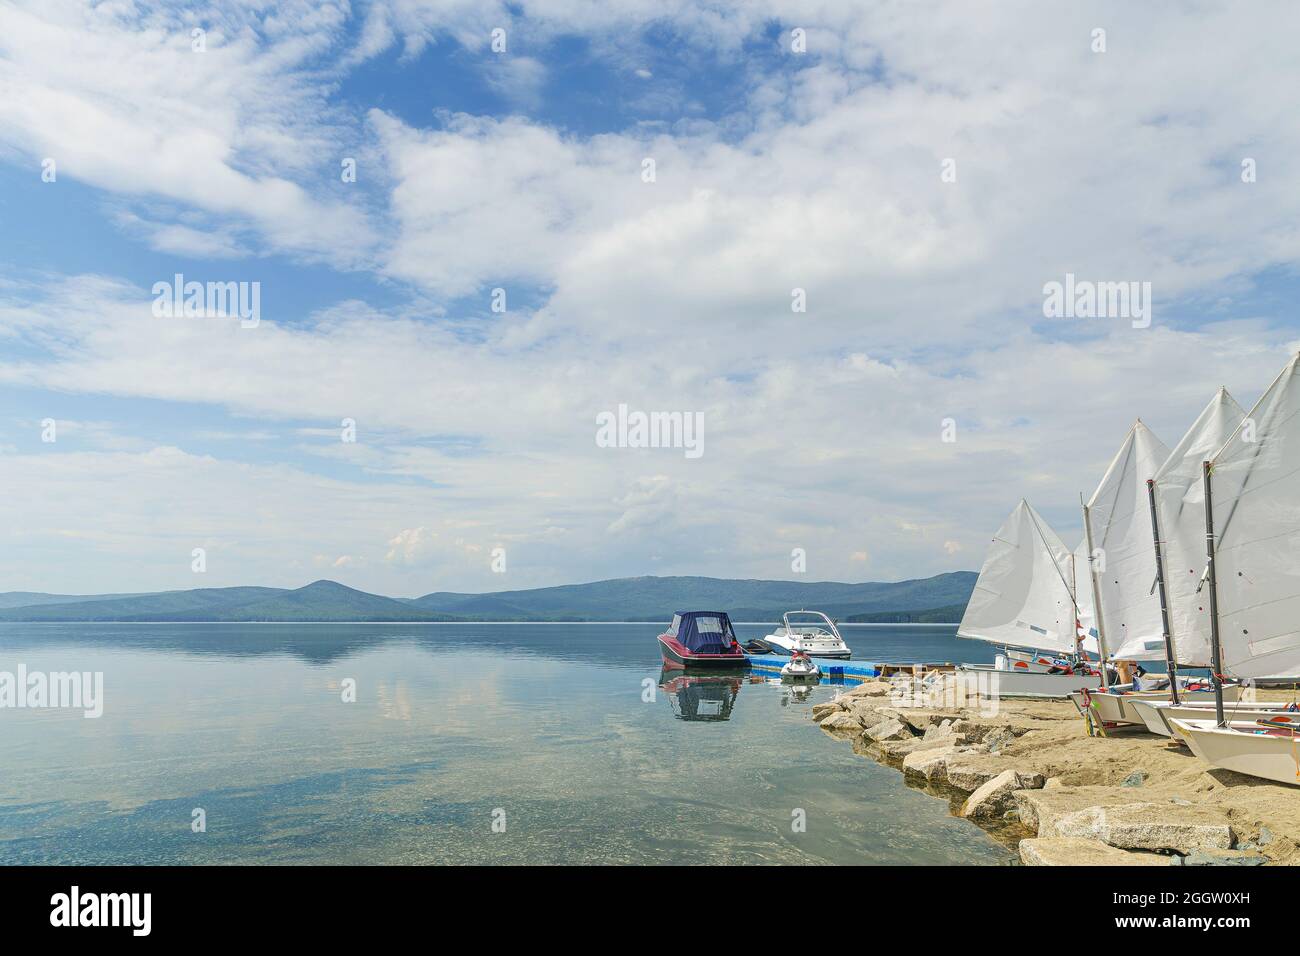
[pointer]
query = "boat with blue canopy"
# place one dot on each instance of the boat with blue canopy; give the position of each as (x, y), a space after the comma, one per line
(701, 639)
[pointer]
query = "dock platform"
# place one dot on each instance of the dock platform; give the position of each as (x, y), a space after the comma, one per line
(848, 670)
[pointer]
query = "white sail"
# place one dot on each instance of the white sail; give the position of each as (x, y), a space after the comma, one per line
(1121, 539)
(1180, 506)
(1255, 483)
(1023, 597)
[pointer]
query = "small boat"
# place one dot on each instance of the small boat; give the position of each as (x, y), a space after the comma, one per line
(1022, 682)
(700, 639)
(818, 638)
(1268, 747)
(1024, 600)
(1117, 703)
(1250, 499)
(800, 666)
(1156, 714)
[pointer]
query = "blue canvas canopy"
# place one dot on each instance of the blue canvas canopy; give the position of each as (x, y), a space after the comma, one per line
(703, 632)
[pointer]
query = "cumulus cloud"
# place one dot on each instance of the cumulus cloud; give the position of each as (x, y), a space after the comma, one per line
(121, 100)
(924, 297)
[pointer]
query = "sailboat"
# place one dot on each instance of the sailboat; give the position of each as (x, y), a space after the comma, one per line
(1118, 549)
(1129, 600)
(1024, 599)
(1252, 541)
(1177, 510)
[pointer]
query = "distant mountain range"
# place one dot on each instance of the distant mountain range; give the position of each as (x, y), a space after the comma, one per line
(938, 599)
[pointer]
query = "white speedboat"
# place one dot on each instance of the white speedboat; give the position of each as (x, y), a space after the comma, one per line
(817, 638)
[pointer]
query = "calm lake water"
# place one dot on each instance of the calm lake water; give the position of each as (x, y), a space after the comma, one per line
(451, 723)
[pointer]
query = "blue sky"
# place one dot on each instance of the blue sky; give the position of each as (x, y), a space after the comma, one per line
(523, 170)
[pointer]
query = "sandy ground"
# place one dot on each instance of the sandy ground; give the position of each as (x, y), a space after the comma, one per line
(1128, 766)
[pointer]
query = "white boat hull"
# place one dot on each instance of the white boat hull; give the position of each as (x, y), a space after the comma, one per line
(1023, 683)
(1156, 714)
(1119, 708)
(815, 642)
(842, 654)
(1241, 748)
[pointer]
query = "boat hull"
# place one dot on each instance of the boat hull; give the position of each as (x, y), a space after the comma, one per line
(677, 657)
(1244, 748)
(1156, 714)
(785, 645)
(1119, 708)
(1026, 683)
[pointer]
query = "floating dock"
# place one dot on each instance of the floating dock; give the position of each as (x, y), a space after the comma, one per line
(848, 670)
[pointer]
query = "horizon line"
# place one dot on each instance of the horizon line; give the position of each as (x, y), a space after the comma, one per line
(543, 587)
(457, 623)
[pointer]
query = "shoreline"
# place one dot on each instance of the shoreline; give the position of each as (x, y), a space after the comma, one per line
(447, 623)
(1031, 777)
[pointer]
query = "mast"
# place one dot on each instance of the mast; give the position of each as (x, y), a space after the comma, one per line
(1172, 664)
(1074, 596)
(1096, 596)
(1215, 653)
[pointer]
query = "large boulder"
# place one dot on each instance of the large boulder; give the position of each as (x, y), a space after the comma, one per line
(898, 749)
(866, 711)
(822, 711)
(841, 721)
(916, 720)
(1074, 851)
(889, 729)
(994, 797)
(945, 728)
(971, 771)
(1148, 826)
(930, 764)
(1040, 809)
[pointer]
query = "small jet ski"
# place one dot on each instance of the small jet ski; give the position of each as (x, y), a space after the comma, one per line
(800, 665)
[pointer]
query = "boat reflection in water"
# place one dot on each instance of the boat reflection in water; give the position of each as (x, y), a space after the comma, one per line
(794, 691)
(701, 696)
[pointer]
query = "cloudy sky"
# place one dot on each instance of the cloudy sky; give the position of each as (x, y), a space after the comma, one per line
(647, 182)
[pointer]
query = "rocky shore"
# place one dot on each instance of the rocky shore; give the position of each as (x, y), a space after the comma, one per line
(1032, 776)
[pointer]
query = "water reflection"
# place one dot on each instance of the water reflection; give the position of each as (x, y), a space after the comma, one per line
(795, 691)
(701, 697)
(323, 644)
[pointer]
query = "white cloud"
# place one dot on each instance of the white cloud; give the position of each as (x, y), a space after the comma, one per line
(120, 100)
(824, 427)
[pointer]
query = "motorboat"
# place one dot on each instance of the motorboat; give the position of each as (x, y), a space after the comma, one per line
(701, 639)
(800, 667)
(818, 637)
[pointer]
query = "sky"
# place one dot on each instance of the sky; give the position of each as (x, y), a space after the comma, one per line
(821, 230)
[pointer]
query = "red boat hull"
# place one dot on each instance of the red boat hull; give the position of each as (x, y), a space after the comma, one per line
(678, 657)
